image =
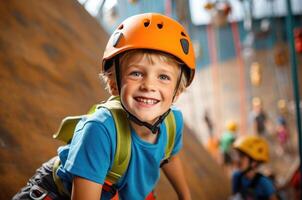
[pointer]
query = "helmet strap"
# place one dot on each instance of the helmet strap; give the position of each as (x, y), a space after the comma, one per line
(154, 128)
(178, 83)
(118, 77)
(250, 167)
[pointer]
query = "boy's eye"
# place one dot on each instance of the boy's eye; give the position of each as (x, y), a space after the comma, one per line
(136, 74)
(164, 77)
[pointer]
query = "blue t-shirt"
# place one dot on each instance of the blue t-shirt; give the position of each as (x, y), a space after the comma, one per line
(263, 189)
(91, 152)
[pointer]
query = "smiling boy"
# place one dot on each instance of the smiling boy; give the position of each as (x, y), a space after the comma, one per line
(148, 62)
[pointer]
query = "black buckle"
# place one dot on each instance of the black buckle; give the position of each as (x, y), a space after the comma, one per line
(110, 188)
(164, 162)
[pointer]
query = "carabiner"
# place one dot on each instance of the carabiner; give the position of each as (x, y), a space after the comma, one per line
(37, 193)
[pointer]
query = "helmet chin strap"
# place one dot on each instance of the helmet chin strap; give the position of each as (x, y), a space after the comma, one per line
(154, 128)
(249, 168)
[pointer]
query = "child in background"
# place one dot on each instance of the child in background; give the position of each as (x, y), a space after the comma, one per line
(282, 134)
(247, 183)
(258, 117)
(148, 62)
(226, 141)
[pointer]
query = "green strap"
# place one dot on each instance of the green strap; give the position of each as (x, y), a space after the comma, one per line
(123, 144)
(123, 140)
(171, 133)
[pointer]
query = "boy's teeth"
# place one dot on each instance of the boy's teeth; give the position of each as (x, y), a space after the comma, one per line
(147, 101)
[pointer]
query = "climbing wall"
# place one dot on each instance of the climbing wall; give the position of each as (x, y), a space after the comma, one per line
(50, 55)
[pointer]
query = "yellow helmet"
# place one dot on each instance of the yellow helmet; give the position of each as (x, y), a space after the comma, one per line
(254, 146)
(231, 126)
(152, 31)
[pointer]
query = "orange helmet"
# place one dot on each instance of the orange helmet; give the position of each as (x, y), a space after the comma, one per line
(254, 146)
(152, 31)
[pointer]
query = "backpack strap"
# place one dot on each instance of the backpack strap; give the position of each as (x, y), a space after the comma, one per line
(255, 180)
(171, 133)
(123, 140)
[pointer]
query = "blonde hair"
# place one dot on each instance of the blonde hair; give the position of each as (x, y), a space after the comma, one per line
(148, 54)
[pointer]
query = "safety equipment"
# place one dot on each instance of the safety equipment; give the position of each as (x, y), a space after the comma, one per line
(155, 32)
(231, 126)
(123, 142)
(254, 146)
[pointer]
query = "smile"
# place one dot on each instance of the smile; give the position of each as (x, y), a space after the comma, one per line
(146, 100)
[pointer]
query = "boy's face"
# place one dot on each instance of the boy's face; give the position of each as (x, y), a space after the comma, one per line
(241, 160)
(147, 88)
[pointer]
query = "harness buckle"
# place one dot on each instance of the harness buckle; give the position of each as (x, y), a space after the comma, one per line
(110, 188)
(37, 193)
(163, 162)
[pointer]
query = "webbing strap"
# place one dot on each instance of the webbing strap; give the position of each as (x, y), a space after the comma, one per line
(123, 140)
(171, 133)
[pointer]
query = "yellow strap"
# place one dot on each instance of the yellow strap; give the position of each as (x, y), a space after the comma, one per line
(123, 141)
(171, 133)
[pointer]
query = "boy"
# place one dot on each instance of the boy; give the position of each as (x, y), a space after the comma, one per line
(247, 182)
(148, 62)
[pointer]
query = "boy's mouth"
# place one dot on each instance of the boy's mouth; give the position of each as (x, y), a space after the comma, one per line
(149, 101)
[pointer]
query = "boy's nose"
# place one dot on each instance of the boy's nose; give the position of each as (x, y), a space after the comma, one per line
(147, 84)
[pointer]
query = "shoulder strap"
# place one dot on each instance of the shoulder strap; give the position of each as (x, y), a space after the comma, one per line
(255, 180)
(171, 133)
(123, 140)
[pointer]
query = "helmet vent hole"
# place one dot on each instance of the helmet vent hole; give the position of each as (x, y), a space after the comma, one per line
(160, 25)
(146, 22)
(183, 34)
(121, 27)
(185, 45)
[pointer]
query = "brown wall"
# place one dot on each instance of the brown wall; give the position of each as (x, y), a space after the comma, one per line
(50, 54)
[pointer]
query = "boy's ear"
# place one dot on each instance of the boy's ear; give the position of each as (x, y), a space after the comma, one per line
(113, 87)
